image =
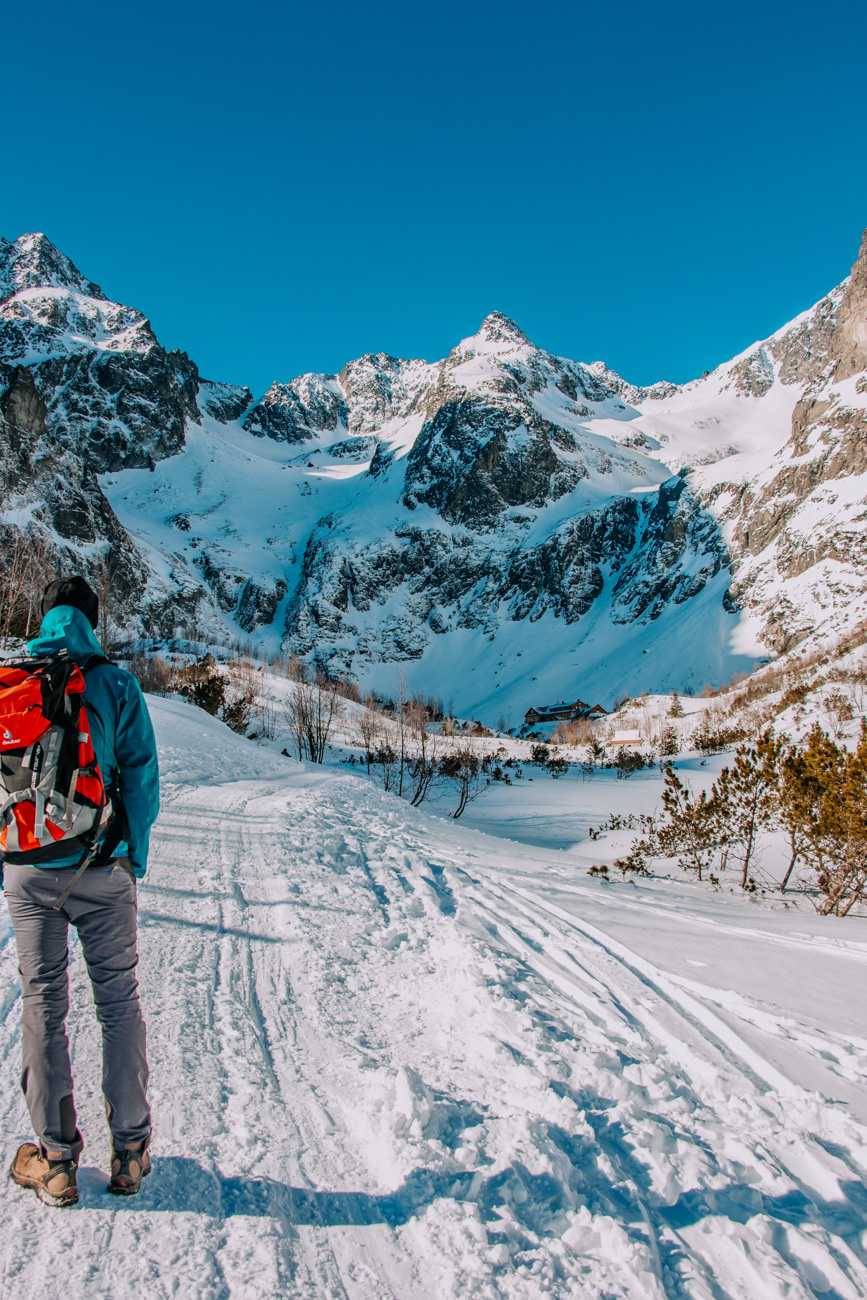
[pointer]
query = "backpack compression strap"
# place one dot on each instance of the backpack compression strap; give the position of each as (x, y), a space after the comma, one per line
(96, 854)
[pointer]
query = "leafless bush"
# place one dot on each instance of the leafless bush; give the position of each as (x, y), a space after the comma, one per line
(370, 728)
(573, 733)
(311, 712)
(154, 675)
(467, 768)
(26, 567)
(296, 669)
(424, 746)
(837, 708)
(857, 686)
(265, 719)
(104, 582)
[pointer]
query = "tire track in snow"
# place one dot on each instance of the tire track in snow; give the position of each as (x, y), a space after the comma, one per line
(837, 947)
(802, 1159)
(682, 1007)
(268, 1115)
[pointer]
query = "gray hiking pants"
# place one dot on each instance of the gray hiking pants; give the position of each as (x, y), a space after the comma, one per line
(102, 907)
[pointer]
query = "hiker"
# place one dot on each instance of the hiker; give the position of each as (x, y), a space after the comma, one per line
(46, 890)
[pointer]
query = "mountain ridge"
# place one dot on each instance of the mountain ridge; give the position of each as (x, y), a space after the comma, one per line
(400, 507)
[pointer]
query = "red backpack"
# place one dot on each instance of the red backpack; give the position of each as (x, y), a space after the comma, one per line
(54, 800)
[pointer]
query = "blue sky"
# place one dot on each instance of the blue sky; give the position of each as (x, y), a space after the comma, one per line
(281, 188)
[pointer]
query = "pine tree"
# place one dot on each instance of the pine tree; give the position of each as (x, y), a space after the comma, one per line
(747, 797)
(693, 831)
(675, 709)
(799, 795)
(669, 741)
(826, 799)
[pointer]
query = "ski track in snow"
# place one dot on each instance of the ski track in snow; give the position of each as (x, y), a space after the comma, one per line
(389, 1062)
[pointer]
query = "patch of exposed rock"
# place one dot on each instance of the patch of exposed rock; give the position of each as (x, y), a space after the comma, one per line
(468, 465)
(44, 483)
(849, 342)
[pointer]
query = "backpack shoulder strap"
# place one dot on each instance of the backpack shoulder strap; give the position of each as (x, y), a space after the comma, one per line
(93, 662)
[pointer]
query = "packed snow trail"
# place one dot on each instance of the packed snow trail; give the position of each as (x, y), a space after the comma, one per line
(392, 1059)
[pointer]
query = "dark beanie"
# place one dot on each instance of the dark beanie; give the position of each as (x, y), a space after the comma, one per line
(72, 591)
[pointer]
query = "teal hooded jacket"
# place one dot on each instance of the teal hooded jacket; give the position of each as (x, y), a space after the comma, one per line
(123, 737)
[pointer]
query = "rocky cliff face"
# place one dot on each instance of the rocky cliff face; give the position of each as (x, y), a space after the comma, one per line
(848, 347)
(504, 512)
(113, 396)
(45, 486)
(796, 519)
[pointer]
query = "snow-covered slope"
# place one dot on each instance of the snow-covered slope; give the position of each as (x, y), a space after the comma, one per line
(540, 525)
(396, 1058)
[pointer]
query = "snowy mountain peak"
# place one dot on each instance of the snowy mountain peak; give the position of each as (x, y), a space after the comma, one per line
(113, 395)
(49, 309)
(33, 262)
(497, 333)
(297, 411)
(380, 388)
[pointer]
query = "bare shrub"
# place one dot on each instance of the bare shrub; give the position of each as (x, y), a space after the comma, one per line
(857, 686)
(370, 728)
(154, 675)
(466, 767)
(296, 669)
(425, 744)
(573, 733)
(311, 712)
(837, 709)
(104, 583)
(26, 567)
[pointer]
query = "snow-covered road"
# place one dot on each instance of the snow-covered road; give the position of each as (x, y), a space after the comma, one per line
(395, 1057)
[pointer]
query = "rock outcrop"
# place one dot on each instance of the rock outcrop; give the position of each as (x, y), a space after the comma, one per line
(50, 496)
(848, 347)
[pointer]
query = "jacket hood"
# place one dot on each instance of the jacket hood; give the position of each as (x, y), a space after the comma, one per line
(66, 628)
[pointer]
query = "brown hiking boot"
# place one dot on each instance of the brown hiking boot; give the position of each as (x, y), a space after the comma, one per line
(128, 1168)
(53, 1181)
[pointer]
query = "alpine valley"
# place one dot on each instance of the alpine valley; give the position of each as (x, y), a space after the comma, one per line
(510, 525)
